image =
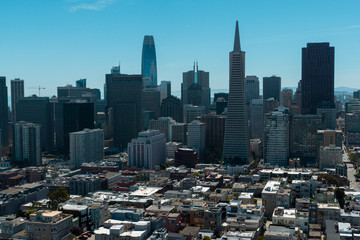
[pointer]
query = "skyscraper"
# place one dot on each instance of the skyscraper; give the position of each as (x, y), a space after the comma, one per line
(151, 100)
(257, 119)
(272, 88)
(252, 88)
(17, 92)
(172, 107)
(236, 142)
(27, 146)
(81, 83)
(317, 84)
(195, 87)
(4, 112)
(124, 97)
(196, 136)
(148, 62)
(38, 110)
(165, 90)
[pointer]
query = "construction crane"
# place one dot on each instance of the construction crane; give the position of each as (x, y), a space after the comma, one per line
(38, 88)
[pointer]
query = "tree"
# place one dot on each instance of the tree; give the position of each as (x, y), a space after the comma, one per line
(58, 196)
(331, 180)
(27, 214)
(261, 238)
(206, 238)
(340, 196)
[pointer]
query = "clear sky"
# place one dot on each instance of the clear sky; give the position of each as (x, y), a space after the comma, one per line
(55, 42)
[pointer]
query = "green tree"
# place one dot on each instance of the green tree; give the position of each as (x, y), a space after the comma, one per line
(27, 214)
(261, 238)
(340, 196)
(206, 238)
(331, 180)
(58, 196)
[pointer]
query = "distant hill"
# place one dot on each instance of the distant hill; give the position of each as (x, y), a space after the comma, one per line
(345, 89)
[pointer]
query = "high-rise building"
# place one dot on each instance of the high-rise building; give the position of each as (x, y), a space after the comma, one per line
(86, 146)
(328, 138)
(179, 133)
(276, 137)
(148, 62)
(330, 156)
(352, 128)
(38, 110)
(151, 100)
(296, 105)
(356, 94)
(77, 115)
(303, 137)
(270, 104)
(286, 97)
(4, 112)
(196, 136)
(124, 97)
(236, 141)
(27, 146)
(257, 119)
(317, 76)
(353, 105)
(195, 88)
(215, 130)
(187, 157)
(328, 111)
(193, 112)
(272, 88)
(252, 88)
(163, 124)
(81, 83)
(165, 89)
(17, 92)
(172, 107)
(148, 150)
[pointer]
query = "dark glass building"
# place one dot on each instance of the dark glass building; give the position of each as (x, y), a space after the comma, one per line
(4, 112)
(17, 92)
(172, 107)
(38, 110)
(317, 85)
(124, 97)
(272, 88)
(148, 62)
(81, 83)
(151, 100)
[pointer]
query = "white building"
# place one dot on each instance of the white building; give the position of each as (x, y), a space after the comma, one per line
(164, 124)
(27, 144)
(148, 150)
(276, 139)
(284, 217)
(164, 89)
(330, 156)
(196, 136)
(86, 146)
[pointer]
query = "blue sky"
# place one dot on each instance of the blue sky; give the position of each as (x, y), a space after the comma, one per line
(55, 42)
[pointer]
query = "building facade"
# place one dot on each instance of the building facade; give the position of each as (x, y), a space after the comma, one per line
(272, 88)
(252, 88)
(4, 112)
(17, 92)
(172, 107)
(148, 62)
(196, 136)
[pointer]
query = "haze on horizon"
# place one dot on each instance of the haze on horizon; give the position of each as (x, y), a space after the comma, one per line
(55, 43)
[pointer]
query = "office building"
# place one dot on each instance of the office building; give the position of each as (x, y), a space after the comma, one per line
(252, 88)
(303, 137)
(38, 110)
(356, 94)
(270, 104)
(286, 97)
(220, 106)
(272, 88)
(352, 129)
(317, 83)
(328, 111)
(163, 124)
(171, 148)
(77, 115)
(330, 156)
(172, 107)
(179, 133)
(164, 89)
(151, 100)
(4, 112)
(195, 88)
(148, 62)
(236, 141)
(27, 145)
(276, 138)
(46, 224)
(148, 150)
(296, 105)
(124, 97)
(81, 83)
(215, 130)
(257, 119)
(17, 92)
(330, 137)
(187, 157)
(196, 137)
(82, 184)
(86, 146)
(192, 112)
(352, 105)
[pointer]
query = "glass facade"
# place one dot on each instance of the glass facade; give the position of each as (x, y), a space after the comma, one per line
(148, 62)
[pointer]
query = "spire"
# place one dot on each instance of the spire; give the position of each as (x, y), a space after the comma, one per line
(237, 47)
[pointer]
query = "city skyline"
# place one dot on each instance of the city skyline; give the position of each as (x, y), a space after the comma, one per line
(85, 48)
